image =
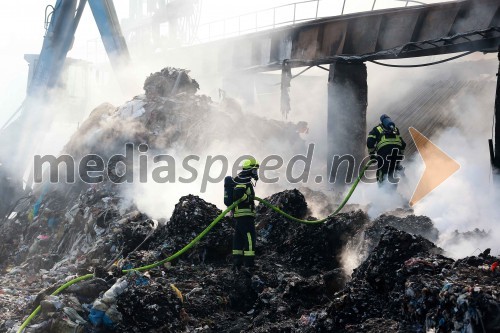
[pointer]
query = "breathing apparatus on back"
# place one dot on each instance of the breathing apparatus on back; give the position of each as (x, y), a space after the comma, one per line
(250, 171)
(387, 124)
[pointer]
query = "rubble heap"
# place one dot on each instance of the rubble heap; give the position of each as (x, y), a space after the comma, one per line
(315, 248)
(409, 285)
(170, 81)
(418, 225)
(171, 116)
(404, 283)
(191, 215)
(365, 241)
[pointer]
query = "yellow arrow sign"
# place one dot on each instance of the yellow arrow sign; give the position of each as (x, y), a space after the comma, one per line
(438, 166)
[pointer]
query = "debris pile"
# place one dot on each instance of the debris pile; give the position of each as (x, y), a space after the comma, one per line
(149, 305)
(476, 235)
(403, 282)
(409, 284)
(190, 217)
(313, 249)
(168, 120)
(418, 225)
(170, 82)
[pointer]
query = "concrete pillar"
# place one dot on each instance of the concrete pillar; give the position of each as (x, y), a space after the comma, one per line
(497, 117)
(346, 124)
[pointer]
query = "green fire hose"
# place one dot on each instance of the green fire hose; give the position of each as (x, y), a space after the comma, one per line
(342, 204)
(144, 268)
(61, 288)
(199, 237)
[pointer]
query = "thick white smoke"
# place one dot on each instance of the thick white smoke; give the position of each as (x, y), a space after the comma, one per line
(467, 200)
(464, 202)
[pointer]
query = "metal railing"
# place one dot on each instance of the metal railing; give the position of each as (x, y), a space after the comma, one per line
(221, 28)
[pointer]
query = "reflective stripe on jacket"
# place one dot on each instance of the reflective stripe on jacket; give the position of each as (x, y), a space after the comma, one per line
(379, 138)
(247, 206)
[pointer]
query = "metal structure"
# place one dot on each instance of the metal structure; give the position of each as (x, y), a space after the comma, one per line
(293, 17)
(414, 31)
(495, 150)
(162, 22)
(21, 134)
(352, 39)
(409, 31)
(111, 34)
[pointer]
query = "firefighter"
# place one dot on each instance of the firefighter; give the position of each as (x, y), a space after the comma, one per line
(244, 216)
(386, 146)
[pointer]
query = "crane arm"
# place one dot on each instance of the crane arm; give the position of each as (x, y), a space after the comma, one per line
(111, 33)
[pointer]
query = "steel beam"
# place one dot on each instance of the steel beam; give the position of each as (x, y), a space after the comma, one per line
(455, 26)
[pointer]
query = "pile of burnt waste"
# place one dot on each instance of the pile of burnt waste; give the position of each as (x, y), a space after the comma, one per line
(171, 116)
(407, 285)
(404, 285)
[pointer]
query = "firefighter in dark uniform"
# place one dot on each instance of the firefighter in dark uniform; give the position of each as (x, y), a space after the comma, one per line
(244, 215)
(387, 147)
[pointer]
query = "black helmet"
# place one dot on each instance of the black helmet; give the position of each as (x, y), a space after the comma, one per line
(387, 122)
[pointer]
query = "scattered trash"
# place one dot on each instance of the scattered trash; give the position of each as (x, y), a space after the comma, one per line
(308, 320)
(403, 282)
(177, 292)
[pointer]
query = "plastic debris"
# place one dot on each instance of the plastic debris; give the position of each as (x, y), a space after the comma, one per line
(401, 283)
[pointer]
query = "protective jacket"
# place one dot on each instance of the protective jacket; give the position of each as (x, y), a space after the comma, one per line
(244, 188)
(244, 216)
(382, 141)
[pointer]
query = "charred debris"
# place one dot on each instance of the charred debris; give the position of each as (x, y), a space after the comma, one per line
(404, 283)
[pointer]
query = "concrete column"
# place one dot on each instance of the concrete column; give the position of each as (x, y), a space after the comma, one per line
(497, 117)
(346, 124)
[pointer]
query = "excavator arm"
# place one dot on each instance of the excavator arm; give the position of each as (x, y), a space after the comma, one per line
(20, 135)
(111, 34)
